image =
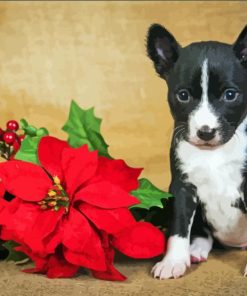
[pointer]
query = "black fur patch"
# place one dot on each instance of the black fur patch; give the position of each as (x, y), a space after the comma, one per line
(240, 204)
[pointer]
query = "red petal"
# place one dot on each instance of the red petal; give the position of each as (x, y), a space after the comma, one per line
(7, 234)
(105, 195)
(54, 265)
(2, 189)
(58, 267)
(54, 238)
(8, 209)
(111, 273)
(77, 231)
(119, 173)
(79, 165)
(3, 203)
(140, 241)
(111, 221)
(91, 261)
(92, 256)
(25, 180)
(50, 154)
(40, 263)
(30, 225)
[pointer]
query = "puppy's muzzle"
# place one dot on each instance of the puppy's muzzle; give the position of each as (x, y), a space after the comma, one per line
(205, 133)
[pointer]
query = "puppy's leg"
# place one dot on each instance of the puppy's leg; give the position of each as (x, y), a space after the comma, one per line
(201, 239)
(177, 259)
(200, 248)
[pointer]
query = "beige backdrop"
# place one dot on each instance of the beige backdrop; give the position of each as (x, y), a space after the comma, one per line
(94, 52)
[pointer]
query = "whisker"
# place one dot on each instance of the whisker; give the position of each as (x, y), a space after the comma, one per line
(178, 135)
(183, 124)
(178, 131)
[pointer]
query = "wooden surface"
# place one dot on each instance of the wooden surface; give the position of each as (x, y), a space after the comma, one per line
(222, 275)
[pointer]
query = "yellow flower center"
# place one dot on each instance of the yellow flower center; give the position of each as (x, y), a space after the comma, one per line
(56, 198)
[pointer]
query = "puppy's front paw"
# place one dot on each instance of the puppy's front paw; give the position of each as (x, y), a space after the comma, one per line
(170, 268)
(200, 248)
(245, 271)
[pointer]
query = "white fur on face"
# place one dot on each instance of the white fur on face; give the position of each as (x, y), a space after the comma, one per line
(203, 115)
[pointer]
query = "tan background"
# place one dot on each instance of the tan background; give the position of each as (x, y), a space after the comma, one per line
(94, 52)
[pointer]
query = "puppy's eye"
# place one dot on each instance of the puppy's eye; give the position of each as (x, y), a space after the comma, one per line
(230, 95)
(183, 96)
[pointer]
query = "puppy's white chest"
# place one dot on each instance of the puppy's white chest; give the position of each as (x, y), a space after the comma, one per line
(217, 174)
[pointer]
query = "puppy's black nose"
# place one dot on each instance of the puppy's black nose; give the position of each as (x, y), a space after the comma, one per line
(206, 133)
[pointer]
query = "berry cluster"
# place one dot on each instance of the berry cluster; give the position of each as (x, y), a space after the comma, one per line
(10, 141)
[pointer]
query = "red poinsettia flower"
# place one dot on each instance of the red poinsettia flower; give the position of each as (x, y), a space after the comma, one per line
(72, 211)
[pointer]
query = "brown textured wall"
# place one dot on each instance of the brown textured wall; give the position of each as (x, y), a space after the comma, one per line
(94, 52)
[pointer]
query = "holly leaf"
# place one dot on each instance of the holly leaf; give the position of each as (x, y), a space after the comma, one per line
(28, 129)
(31, 130)
(23, 123)
(149, 195)
(29, 146)
(83, 127)
(14, 255)
(28, 149)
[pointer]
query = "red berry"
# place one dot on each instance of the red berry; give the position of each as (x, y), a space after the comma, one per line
(12, 125)
(9, 137)
(1, 134)
(21, 138)
(16, 145)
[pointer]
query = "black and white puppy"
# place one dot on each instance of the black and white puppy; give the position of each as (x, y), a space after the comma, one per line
(207, 95)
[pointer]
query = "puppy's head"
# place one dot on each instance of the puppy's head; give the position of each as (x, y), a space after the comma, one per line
(207, 85)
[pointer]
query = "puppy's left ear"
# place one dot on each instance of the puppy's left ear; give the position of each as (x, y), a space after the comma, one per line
(240, 47)
(162, 48)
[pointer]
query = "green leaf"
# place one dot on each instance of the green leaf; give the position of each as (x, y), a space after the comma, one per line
(84, 128)
(23, 123)
(149, 195)
(28, 149)
(13, 255)
(42, 132)
(29, 146)
(30, 130)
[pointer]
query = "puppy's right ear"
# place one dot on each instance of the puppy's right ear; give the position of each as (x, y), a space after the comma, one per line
(240, 47)
(162, 48)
